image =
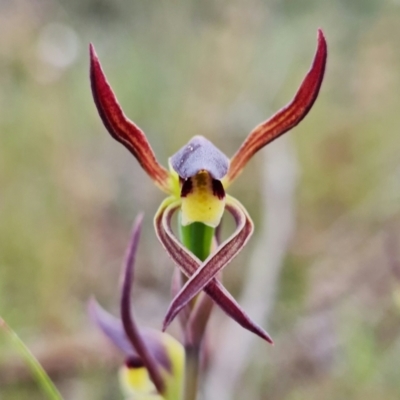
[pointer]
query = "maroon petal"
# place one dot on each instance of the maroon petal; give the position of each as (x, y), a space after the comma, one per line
(121, 128)
(286, 118)
(216, 261)
(188, 263)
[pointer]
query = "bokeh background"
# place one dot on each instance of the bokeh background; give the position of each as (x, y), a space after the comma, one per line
(69, 193)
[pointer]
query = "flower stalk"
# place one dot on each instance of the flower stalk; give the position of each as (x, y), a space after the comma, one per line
(192, 370)
(196, 237)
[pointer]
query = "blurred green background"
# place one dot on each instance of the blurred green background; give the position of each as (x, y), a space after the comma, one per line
(69, 193)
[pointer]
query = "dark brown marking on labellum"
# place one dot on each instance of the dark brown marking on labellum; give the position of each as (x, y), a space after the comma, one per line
(218, 189)
(187, 187)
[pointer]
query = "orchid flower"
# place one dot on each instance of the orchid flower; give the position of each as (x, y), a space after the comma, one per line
(196, 183)
(154, 360)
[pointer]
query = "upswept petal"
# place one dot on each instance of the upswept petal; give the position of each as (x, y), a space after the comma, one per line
(286, 118)
(217, 260)
(121, 128)
(189, 264)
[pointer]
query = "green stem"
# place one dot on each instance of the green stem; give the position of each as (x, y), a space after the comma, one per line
(192, 372)
(196, 237)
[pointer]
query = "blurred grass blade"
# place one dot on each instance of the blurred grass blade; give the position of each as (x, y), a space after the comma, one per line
(37, 370)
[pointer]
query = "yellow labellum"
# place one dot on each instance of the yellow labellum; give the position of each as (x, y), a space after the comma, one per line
(137, 384)
(174, 380)
(200, 204)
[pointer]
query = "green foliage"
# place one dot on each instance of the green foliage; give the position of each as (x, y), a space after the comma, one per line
(38, 372)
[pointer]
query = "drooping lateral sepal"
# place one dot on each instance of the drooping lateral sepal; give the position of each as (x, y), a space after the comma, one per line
(217, 260)
(286, 118)
(188, 263)
(121, 128)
